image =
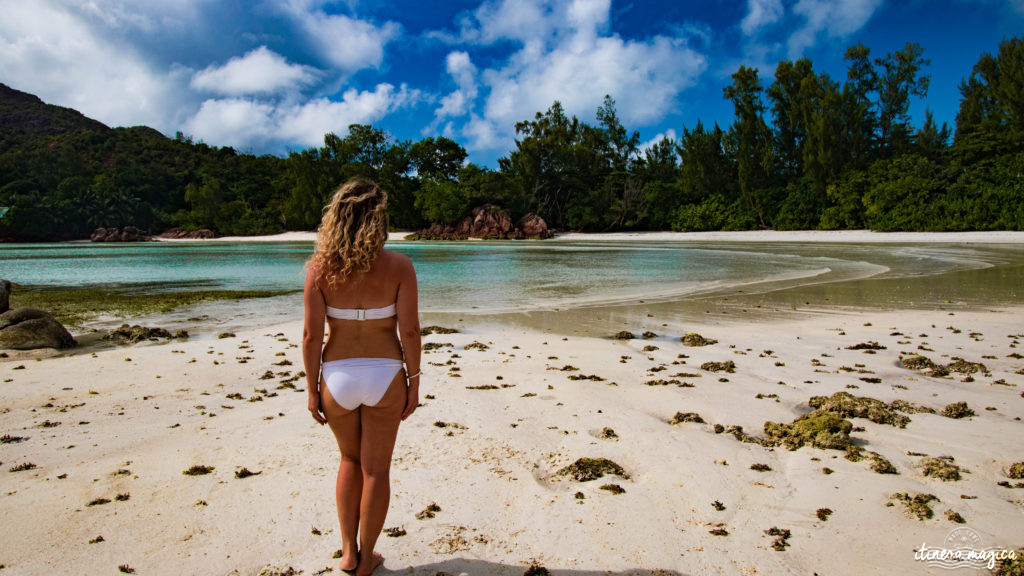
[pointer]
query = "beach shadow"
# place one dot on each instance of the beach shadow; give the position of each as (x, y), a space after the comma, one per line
(473, 567)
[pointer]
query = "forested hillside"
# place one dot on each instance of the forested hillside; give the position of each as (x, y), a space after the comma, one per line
(805, 151)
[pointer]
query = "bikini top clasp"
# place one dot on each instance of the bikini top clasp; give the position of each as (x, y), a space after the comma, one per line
(362, 313)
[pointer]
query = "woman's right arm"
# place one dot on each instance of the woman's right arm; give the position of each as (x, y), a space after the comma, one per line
(407, 308)
(313, 340)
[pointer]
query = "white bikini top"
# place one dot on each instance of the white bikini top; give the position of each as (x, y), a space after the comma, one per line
(361, 313)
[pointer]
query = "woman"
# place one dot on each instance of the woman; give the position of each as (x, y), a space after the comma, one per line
(356, 381)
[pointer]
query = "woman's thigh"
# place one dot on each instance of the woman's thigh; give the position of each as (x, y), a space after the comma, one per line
(379, 426)
(344, 424)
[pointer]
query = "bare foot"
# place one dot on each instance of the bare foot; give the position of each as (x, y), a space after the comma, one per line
(373, 564)
(349, 563)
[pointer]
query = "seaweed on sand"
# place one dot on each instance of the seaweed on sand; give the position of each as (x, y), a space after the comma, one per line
(916, 505)
(198, 470)
(613, 488)
(957, 410)
(1016, 471)
(727, 366)
(942, 468)
(781, 537)
(587, 469)
(820, 429)
(437, 330)
(686, 417)
(849, 406)
(694, 339)
(429, 512)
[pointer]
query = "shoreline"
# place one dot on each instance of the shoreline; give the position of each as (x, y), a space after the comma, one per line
(838, 236)
(507, 409)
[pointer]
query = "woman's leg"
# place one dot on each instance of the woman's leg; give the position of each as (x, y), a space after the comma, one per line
(345, 426)
(379, 429)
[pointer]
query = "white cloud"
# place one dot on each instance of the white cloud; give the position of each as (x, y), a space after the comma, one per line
(460, 101)
(645, 79)
(234, 121)
(347, 43)
(761, 13)
(565, 54)
(55, 54)
(838, 18)
(670, 134)
(259, 71)
(495, 20)
(307, 123)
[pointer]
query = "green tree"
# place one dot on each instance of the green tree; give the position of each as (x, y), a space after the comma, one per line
(749, 139)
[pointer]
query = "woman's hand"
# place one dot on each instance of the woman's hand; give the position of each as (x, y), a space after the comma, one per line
(412, 400)
(314, 408)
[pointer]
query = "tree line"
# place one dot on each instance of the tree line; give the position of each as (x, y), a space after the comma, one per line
(804, 151)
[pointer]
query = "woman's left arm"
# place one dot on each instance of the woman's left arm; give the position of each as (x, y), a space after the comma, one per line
(313, 340)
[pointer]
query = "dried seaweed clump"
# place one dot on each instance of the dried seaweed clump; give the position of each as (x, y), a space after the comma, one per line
(614, 489)
(1016, 471)
(727, 366)
(694, 339)
(647, 335)
(536, 570)
(437, 330)
(134, 334)
(880, 465)
(686, 417)
(737, 433)
(245, 473)
(198, 470)
(428, 512)
(820, 429)
(955, 517)
(869, 345)
(781, 538)
(624, 335)
(849, 406)
(917, 362)
(587, 469)
(957, 410)
(965, 367)
(608, 433)
(823, 514)
(916, 505)
(476, 345)
(942, 468)
(910, 408)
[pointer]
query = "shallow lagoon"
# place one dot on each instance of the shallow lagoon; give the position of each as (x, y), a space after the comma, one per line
(592, 286)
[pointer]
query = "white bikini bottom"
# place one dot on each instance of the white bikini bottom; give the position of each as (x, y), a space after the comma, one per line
(357, 381)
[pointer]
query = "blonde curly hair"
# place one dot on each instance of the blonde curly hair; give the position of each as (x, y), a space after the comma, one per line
(352, 231)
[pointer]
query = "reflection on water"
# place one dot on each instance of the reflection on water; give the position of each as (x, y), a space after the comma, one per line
(592, 286)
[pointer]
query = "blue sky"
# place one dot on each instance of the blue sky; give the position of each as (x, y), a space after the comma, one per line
(269, 76)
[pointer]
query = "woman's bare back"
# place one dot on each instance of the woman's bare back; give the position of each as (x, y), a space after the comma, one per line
(380, 286)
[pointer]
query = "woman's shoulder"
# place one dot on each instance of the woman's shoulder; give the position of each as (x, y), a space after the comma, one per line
(396, 259)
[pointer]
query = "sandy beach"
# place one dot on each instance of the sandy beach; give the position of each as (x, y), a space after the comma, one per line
(96, 446)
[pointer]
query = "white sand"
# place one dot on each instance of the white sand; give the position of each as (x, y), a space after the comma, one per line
(502, 507)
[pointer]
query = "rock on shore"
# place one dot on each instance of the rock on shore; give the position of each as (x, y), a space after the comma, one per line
(488, 221)
(28, 328)
(178, 233)
(127, 234)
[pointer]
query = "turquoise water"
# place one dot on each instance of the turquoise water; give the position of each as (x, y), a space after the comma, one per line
(504, 277)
